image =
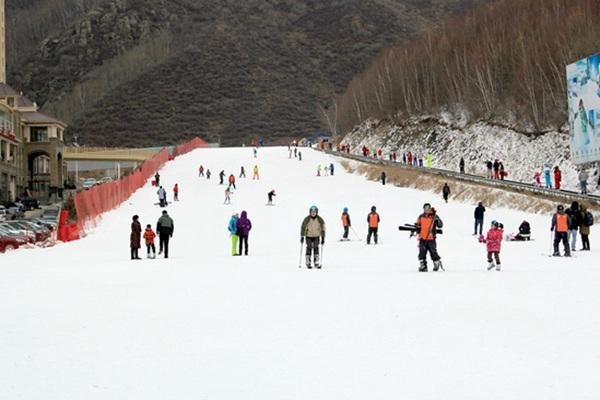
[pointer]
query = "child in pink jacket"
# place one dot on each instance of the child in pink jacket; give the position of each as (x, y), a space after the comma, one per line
(493, 241)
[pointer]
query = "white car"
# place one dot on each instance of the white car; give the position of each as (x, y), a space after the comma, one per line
(89, 183)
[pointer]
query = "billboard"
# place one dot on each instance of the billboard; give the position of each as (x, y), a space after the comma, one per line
(583, 93)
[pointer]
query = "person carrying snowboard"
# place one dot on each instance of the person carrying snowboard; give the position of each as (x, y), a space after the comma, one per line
(233, 232)
(243, 229)
(312, 228)
(346, 223)
(560, 227)
(493, 241)
(149, 236)
(446, 192)
(135, 238)
(165, 228)
(176, 192)
(162, 196)
(427, 225)
(373, 221)
(270, 196)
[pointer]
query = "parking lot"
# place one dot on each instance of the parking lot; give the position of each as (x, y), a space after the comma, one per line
(27, 225)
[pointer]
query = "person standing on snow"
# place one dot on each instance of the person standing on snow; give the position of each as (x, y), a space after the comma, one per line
(135, 238)
(502, 171)
(479, 212)
(233, 232)
(162, 196)
(346, 224)
(242, 172)
(255, 150)
(382, 177)
(429, 160)
(489, 166)
(312, 228)
(461, 165)
(587, 220)
(427, 225)
(547, 177)
(208, 174)
(560, 227)
(583, 177)
(176, 192)
(157, 178)
(243, 228)
(574, 214)
(270, 196)
(299, 156)
(493, 242)
(446, 192)
(232, 181)
(227, 196)
(537, 178)
(331, 169)
(319, 170)
(164, 228)
(201, 171)
(149, 236)
(496, 167)
(255, 173)
(373, 221)
(557, 177)
(221, 177)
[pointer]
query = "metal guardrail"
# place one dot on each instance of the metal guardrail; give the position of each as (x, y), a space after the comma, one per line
(519, 187)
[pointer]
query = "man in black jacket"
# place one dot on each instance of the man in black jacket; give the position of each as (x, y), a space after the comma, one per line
(574, 214)
(479, 211)
(164, 228)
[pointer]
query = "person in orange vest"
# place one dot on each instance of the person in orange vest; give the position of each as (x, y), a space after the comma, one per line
(346, 223)
(232, 181)
(149, 236)
(373, 221)
(427, 225)
(176, 192)
(560, 227)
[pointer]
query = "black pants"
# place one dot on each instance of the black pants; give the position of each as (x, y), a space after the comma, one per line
(428, 246)
(243, 243)
(164, 244)
(478, 222)
(446, 197)
(134, 254)
(564, 238)
(232, 184)
(150, 247)
(372, 232)
(312, 246)
(495, 254)
(346, 229)
(585, 241)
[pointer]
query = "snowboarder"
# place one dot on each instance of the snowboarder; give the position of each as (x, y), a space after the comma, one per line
(479, 212)
(157, 178)
(232, 181)
(208, 174)
(243, 229)
(201, 171)
(270, 196)
(242, 172)
(461, 165)
(162, 196)
(446, 192)
(583, 177)
(176, 192)
(574, 214)
(164, 228)
(346, 224)
(557, 177)
(313, 228)
(493, 242)
(560, 227)
(584, 230)
(255, 173)
(227, 196)
(373, 221)
(233, 232)
(383, 177)
(547, 178)
(221, 177)
(331, 169)
(524, 231)
(427, 225)
(135, 238)
(149, 236)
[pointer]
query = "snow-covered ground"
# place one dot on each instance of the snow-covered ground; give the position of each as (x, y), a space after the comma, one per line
(82, 321)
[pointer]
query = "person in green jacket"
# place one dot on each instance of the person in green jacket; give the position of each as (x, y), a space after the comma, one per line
(313, 228)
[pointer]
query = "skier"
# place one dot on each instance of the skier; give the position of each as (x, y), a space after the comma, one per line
(176, 192)
(493, 242)
(312, 228)
(164, 228)
(346, 223)
(479, 212)
(461, 165)
(233, 232)
(232, 181)
(446, 192)
(373, 221)
(583, 177)
(574, 214)
(295, 152)
(243, 228)
(319, 170)
(227, 196)
(427, 224)
(547, 176)
(331, 169)
(270, 196)
(584, 230)
(557, 177)
(560, 227)
(208, 174)
(524, 231)
(299, 156)
(149, 236)
(201, 171)
(135, 238)
(255, 173)
(162, 196)
(255, 150)
(157, 178)
(382, 177)
(242, 172)
(221, 177)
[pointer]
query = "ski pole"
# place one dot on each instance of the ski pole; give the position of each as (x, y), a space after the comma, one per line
(322, 252)
(356, 234)
(300, 260)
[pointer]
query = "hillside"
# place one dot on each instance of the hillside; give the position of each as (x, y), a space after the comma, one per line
(142, 72)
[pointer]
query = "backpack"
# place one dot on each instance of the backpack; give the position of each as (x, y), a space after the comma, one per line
(588, 219)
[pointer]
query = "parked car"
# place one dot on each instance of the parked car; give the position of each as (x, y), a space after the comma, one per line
(30, 203)
(88, 183)
(45, 222)
(41, 233)
(9, 232)
(8, 243)
(105, 179)
(3, 213)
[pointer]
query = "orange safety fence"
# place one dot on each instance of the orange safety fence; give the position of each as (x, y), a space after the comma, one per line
(91, 204)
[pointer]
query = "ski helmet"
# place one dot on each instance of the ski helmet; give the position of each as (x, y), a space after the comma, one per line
(560, 208)
(345, 209)
(314, 208)
(426, 206)
(495, 223)
(373, 208)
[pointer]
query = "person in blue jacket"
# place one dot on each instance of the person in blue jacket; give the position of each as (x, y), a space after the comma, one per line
(233, 233)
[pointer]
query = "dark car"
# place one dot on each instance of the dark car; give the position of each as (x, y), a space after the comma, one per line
(30, 203)
(8, 243)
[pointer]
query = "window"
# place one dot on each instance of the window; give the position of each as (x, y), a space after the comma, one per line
(6, 121)
(39, 133)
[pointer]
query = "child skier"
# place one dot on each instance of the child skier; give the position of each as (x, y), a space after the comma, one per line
(227, 196)
(149, 236)
(176, 192)
(346, 223)
(493, 241)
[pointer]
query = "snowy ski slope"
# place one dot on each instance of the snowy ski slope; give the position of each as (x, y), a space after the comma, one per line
(82, 321)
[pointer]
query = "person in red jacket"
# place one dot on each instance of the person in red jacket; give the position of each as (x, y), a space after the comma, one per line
(149, 236)
(557, 177)
(176, 192)
(493, 242)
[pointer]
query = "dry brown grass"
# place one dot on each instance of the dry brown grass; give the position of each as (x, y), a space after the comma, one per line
(461, 191)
